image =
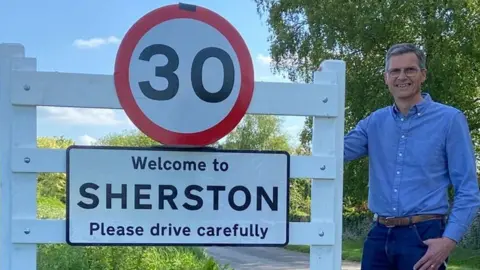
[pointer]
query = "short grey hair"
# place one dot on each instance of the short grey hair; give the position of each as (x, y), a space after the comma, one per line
(403, 48)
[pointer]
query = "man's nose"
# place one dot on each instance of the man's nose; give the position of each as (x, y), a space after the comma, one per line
(402, 75)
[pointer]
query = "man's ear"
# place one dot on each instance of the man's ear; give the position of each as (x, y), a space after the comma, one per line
(424, 75)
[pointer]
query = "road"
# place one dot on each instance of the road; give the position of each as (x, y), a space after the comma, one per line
(261, 258)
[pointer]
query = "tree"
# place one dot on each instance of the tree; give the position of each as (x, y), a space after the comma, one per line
(305, 32)
(127, 138)
(263, 132)
(258, 132)
(52, 184)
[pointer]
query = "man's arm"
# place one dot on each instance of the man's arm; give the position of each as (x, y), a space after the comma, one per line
(463, 176)
(356, 141)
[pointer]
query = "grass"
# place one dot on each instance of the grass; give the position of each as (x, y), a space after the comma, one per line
(461, 259)
(65, 257)
(60, 256)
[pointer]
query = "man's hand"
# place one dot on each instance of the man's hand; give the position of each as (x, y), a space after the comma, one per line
(438, 251)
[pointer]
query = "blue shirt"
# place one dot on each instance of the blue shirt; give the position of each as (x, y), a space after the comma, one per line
(414, 158)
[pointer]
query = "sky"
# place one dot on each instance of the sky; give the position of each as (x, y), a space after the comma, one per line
(83, 37)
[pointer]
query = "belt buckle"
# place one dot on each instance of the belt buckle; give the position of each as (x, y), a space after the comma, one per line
(386, 222)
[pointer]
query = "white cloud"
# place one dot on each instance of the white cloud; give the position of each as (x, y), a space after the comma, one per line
(95, 42)
(82, 116)
(127, 120)
(294, 130)
(86, 140)
(130, 123)
(263, 72)
(293, 125)
(272, 78)
(264, 59)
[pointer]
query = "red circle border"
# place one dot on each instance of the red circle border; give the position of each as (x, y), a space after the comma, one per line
(130, 106)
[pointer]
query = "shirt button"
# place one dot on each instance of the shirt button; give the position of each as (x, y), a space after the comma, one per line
(398, 172)
(418, 114)
(395, 209)
(401, 119)
(403, 136)
(400, 154)
(395, 190)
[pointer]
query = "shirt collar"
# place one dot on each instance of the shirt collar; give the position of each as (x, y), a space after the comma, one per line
(417, 108)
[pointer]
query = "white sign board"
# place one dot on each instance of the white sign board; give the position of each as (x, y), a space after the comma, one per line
(172, 196)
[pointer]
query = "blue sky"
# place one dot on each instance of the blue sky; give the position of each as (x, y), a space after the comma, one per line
(83, 36)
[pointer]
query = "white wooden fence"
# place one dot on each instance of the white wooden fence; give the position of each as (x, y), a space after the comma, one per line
(23, 88)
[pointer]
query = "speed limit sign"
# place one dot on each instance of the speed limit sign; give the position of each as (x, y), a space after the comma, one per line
(184, 75)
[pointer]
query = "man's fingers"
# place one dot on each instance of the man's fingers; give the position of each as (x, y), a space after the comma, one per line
(427, 242)
(429, 265)
(420, 265)
(428, 262)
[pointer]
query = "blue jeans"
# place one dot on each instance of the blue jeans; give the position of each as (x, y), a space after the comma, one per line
(399, 248)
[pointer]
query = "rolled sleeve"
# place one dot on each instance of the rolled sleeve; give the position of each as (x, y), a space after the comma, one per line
(463, 177)
(356, 141)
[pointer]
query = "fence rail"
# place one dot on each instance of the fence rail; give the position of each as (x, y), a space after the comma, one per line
(23, 89)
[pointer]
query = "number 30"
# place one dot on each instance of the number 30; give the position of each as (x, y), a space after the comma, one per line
(168, 72)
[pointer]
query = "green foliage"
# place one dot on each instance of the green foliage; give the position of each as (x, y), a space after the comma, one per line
(50, 208)
(305, 32)
(300, 201)
(54, 142)
(52, 184)
(258, 132)
(127, 138)
(123, 258)
(263, 132)
(65, 257)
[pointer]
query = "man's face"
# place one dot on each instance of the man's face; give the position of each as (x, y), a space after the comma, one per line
(404, 76)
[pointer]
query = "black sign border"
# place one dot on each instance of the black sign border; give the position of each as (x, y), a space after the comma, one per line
(162, 148)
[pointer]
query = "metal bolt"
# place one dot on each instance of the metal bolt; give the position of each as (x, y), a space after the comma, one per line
(325, 100)
(27, 231)
(323, 167)
(321, 234)
(26, 87)
(26, 160)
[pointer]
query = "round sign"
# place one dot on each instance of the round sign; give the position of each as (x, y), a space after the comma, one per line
(184, 75)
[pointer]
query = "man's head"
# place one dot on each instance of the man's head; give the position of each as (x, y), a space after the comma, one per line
(405, 71)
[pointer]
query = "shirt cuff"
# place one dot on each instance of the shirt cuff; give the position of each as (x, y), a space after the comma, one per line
(454, 232)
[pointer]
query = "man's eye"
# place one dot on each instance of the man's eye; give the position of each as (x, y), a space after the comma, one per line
(394, 71)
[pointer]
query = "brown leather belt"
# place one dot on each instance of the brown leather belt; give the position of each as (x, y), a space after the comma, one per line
(405, 221)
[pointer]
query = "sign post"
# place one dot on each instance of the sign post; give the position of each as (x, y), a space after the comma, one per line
(184, 76)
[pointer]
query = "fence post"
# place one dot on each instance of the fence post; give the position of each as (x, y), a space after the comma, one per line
(327, 194)
(20, 160)
(18, 128)
(6, 53)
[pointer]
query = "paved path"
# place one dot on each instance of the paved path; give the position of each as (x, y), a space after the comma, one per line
(263, 258)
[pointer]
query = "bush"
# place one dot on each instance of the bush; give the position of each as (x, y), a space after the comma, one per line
(65, 257)
(54, 256)
(356, 223)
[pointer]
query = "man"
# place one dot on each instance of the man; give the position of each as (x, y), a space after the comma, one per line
(416, 149)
